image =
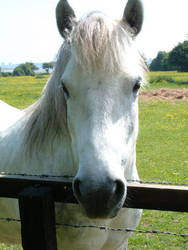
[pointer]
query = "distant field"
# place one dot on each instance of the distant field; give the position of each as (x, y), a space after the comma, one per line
(169, 79)
(21, 91)
(162, 150)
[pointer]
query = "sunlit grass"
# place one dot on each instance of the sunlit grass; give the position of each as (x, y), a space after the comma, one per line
(167, 79)
(163, 141)
(21, 91)
(162, 156)
(5, 247)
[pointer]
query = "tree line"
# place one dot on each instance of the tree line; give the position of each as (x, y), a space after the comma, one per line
(27, 69)
(176, 59)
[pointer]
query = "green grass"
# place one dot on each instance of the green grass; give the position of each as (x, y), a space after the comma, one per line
(162, 156)
(163, 141)
(170, 79)
(5, 247)
(163, 221)
(21, 91)
(162, 151)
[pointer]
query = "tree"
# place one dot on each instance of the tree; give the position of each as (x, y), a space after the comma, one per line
(26, 69)
(178, 57)
(47, 66)
(160, 63)
(31, 65)
(18, 71)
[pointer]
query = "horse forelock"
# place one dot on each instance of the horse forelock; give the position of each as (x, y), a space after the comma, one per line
(99, 42)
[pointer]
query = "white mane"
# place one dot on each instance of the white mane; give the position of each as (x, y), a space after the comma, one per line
(98, 43)
(47, 116)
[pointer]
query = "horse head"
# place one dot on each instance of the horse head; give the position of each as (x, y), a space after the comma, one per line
(100, 85)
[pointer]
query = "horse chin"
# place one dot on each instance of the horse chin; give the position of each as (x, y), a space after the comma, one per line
(100, 214)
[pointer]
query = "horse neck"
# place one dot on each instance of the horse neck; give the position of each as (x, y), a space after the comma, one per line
(50, 160)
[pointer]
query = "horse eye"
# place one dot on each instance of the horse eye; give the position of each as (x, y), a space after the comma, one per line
(65, 91)
(137, 85)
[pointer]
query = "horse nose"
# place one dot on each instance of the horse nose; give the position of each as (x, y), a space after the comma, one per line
(100, 200)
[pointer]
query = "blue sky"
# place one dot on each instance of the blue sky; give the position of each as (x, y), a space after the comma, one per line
(29, 33)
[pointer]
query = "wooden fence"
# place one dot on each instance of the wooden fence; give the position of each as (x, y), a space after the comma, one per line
(37, 197)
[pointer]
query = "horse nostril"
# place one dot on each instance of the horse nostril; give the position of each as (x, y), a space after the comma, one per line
(100, 199)
(120, 189)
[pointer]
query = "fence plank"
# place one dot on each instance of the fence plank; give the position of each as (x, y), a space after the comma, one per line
(157, 197)
(37, 215)
(11, 186)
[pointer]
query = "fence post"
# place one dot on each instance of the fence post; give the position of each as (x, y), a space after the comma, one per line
(37, 215)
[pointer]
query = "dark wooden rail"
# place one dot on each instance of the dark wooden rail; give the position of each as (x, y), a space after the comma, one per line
(156, 197)
(37, 196)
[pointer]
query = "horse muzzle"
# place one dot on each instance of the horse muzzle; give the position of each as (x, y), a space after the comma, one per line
(100, 199)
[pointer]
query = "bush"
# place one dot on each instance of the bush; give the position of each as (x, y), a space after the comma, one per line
(26, 69)
(161, 78)
(5, 74)
(18, 71)
(39, 76)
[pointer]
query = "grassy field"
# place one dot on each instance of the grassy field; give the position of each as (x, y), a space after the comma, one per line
(162, 156)
(21, 91)
(162, 150)
(171, 79)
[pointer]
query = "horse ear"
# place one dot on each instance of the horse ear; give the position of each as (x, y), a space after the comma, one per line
(64, 16)
(134, 15)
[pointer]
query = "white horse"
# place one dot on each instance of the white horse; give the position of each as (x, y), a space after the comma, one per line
(85, 124)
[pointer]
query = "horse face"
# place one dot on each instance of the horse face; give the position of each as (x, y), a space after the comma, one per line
(102, 123)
